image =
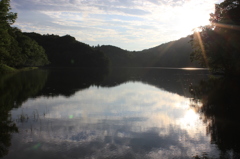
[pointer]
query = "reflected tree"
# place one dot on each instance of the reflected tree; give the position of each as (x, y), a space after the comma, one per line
(17, 88)
(172, 80)
(68, 81)
(7, 127)
(220, 111)
(14, 90)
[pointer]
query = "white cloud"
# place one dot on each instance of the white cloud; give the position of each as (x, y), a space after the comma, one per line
(133, 25)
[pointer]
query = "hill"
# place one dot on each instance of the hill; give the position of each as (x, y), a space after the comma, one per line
(117, 56)
(171, 54)
(66, 51)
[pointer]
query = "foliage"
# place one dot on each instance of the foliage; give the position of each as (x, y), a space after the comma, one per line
(24, 51)
(6, 69)
(6, 19)
(16, 49)
(66, 51)
(217, 46)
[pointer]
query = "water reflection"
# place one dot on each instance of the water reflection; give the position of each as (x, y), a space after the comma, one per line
(68, 81)
(220, 110)
(14, 90)
(104, 123)
(131, 113)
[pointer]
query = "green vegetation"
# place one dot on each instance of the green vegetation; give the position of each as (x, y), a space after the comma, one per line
(16, 49)
(6, 69)
(217, 46)
(6, 19)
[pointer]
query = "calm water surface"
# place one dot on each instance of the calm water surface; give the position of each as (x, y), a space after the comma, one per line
(120, 113)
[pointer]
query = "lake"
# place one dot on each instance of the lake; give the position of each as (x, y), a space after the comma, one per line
(118, 113)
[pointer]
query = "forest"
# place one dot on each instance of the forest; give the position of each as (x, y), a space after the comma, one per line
(171, 54)
(66, 51)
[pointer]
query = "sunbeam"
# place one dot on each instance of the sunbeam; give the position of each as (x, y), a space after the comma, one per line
(202, 47)
(227, 26)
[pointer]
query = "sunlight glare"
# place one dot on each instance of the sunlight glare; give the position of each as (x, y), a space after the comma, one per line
(189, 121)
(190, 19)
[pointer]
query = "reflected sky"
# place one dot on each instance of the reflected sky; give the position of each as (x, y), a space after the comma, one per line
(132, 120)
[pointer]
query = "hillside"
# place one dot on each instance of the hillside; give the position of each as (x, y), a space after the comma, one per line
(117, 56)
(171, 54)
(66, 51)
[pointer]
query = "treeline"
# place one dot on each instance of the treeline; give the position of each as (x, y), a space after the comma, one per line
(171, 54)
(66, 51)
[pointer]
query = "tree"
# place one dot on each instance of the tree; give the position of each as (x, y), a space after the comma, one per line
(7, 18)
(29, 52)
(16, 49)
(217, 45)
(66, 51)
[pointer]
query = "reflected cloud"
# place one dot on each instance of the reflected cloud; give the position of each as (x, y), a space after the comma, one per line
(133, 120)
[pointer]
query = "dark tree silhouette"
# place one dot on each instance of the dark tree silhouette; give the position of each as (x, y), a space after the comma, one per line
(66, 51)
(217, 46)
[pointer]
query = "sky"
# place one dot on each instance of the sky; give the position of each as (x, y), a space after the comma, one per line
(128, 24)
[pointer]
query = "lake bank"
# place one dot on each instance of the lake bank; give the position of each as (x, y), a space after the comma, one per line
(4, 69)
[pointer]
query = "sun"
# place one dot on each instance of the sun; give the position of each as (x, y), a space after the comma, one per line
(190, 18)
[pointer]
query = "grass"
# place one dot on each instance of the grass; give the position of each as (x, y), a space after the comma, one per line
(7, 69)
(27, 68)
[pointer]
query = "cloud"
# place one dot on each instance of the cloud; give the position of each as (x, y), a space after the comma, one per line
(133, 25)
(106, 6)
